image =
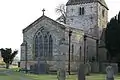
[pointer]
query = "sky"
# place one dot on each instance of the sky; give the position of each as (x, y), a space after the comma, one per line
(15, 15)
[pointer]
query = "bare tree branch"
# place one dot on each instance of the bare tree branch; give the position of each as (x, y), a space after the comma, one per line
(61, 9)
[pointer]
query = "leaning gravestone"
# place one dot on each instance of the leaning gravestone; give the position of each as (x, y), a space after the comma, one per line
(81, 72)
(110, 73)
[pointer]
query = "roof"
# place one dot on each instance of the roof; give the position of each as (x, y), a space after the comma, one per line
(40, 19)
(75, 2)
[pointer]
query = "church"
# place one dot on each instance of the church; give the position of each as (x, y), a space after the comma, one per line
(80, 39)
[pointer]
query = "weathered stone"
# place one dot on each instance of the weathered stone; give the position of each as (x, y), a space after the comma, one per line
(110, 73)
(81, 72)
(95, 67)
(87, 68)
(79, 24)
(61, 75)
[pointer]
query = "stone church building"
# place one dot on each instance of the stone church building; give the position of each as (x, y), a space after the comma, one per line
(46, 40)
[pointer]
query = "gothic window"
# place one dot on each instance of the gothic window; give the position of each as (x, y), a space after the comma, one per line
(36, 46)
(50, 46)
(40, 46)
(43, 45)
(81, 11)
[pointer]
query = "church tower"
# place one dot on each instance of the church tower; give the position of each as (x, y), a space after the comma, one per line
(87, 14)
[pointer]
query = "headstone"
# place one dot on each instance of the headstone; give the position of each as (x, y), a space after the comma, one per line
(39, 68)
(60, 61)
(87, 68)
(104, 65)
(61, 75)
(33, 69)
(95, 67)
(18, 64)
(110, 73)
(81, 72)
(63, 48)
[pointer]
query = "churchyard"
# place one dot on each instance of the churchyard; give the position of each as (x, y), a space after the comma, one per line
(12, 74)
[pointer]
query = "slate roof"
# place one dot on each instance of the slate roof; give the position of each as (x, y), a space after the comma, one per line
(75, 2)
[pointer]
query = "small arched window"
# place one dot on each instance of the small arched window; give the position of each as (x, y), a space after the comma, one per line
(81, 11)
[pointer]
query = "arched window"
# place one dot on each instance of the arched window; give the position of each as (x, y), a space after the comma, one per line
(36, 46)
(50, 46)
(81, 11)
(43, 45)
(40, 43)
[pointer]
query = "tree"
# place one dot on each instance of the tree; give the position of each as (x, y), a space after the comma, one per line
(62, 10)
(119, 17)
(112, 37)
(8, 56)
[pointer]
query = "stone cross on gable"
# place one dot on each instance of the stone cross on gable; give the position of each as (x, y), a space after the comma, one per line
(43, 11)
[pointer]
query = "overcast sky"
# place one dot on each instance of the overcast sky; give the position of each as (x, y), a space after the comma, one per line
(15, 15)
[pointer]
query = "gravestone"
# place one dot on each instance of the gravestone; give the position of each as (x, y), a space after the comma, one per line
(61, 71)
(81, 72)
(39, 68)
(104, 65)
(61, 75)
(33, 69)
(87, 68)
(95, 66)
(110, 73)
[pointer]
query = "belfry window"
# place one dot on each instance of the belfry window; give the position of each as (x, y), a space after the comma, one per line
(81, 11)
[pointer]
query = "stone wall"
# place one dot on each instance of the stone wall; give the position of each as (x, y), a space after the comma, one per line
(82, 21)
(55, 30)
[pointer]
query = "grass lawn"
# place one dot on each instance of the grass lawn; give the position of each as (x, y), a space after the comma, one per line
(71, 77)
(13, 75)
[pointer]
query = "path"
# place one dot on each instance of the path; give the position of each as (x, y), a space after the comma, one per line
(18, 76)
